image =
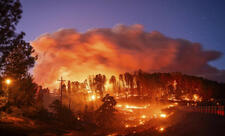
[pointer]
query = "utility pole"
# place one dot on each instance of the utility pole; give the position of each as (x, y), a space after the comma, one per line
(61, 83)
(69, 92)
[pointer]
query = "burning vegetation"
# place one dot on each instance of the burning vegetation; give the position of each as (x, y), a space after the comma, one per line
(130, 103)
(141, 85)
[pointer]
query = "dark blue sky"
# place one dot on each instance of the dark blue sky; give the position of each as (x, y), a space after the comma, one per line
(200, 21)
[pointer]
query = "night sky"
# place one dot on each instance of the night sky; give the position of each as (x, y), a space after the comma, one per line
(195, 20)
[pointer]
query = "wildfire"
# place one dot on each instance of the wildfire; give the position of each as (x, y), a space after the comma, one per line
(172, 105)
(196, 97)
(135, 107)
(108, 86)
(143, 116)
(161, 129)
(126, 126)
(130, 107)
(130, 110)
(163, 115)
(141, 122)
(119, 105)
(92, 98)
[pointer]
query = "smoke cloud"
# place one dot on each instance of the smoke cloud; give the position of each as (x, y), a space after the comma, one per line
(76, 55)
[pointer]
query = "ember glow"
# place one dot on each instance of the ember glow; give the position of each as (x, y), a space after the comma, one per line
(161, 129)
(143, 116)
(138, 115)
(135, 107)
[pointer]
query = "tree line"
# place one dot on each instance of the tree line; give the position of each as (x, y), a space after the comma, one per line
(152, 85)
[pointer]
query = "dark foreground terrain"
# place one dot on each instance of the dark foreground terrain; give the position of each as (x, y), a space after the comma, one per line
(187, 124)
(179, 124)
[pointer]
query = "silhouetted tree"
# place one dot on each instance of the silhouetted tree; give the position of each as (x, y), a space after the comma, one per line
(113, 82)
(15, 55)
(99, 82)
(10, 13)
(128, 79)
(69, 87)
(75, 86)
(121, 81)
(19, 60)
(105, 114)
(14, 51)
(139, 81)
(62, 113)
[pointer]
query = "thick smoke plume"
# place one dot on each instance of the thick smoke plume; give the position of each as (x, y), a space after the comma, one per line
(76, 55)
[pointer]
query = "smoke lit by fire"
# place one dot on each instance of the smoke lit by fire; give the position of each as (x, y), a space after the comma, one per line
(109, 51)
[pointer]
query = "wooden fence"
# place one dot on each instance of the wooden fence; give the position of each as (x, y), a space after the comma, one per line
(208, 109)
(217, 110)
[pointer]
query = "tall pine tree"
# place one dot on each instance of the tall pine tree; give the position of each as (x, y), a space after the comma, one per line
(15, 55)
